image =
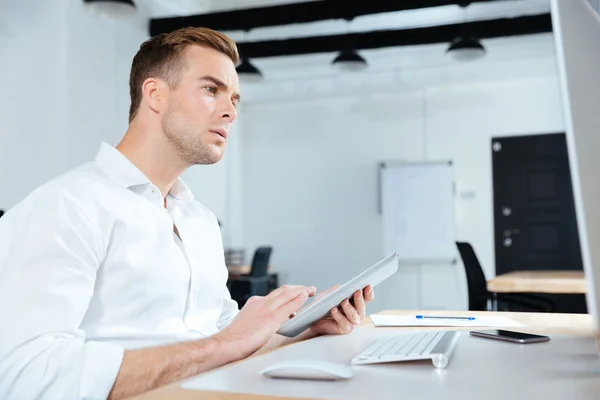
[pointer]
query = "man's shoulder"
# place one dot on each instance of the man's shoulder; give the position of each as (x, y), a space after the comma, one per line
(78, 185)
(84, 181)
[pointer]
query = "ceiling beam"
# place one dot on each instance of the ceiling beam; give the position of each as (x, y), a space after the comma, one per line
(296, 13)
(502, 27)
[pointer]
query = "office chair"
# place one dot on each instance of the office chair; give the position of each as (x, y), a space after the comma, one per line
(480, 299)
(256, 283)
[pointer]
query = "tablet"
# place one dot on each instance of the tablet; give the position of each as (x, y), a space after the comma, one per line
(320, 308)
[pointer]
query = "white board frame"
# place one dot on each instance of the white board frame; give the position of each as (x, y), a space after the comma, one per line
(399, 163)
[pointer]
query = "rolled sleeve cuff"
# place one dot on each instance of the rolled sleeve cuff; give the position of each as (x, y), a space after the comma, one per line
(101, 366)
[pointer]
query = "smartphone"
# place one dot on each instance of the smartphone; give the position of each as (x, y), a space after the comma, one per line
(510, 336)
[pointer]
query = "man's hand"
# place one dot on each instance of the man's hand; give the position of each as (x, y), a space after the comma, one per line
(343, 318)
(261, 317)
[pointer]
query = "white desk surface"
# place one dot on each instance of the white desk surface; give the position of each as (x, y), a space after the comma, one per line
(566, 367)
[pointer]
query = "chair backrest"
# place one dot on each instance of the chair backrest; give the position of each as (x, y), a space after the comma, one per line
(476, 283)
(260, 261)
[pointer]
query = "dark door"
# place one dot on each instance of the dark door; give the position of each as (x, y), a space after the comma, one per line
(534, 215)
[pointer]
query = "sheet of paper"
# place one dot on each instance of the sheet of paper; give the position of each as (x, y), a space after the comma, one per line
(406, 320)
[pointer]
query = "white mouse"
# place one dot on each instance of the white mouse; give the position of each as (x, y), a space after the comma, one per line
(308, 369)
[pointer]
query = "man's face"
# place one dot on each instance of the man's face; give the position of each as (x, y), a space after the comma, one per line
(202, 107)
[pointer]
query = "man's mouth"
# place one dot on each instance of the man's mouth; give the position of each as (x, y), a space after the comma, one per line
(220, 132)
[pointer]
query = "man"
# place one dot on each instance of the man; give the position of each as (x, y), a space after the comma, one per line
(112, 278)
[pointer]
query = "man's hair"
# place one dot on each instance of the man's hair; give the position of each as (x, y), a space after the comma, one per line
(162, 57)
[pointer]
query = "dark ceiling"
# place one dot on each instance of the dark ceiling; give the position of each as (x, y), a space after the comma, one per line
(247, 19)
(296, 13)
(402, 37)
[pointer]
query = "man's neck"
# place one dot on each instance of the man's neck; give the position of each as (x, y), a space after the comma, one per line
(154, 156)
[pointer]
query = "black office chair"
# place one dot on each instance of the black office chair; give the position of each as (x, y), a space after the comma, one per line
(480, 299)
(260, 262)
(257, 282)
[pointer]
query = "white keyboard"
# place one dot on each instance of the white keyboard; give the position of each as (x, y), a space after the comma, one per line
(437, 345)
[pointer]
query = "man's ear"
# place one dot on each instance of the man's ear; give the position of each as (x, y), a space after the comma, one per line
(153, 91)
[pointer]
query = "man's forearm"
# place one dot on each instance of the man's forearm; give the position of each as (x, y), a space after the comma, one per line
(149, 368)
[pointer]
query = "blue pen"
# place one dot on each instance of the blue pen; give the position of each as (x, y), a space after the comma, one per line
(443, 317)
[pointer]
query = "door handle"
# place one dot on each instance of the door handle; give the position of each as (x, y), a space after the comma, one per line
(510, 232)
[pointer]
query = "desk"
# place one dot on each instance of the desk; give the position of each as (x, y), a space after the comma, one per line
(239, 269)
(580, 324)
(565, 282)
(236, 270)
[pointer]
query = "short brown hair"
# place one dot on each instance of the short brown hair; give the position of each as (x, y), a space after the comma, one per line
(161, 57)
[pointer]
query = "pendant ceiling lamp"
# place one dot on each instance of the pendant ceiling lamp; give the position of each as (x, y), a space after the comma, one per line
(248, 72)
(465, 47)
(349, 60)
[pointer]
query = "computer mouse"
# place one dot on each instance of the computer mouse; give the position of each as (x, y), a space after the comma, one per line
(308, 369)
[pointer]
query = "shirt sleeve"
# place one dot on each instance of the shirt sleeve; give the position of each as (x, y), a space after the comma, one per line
(48, 266)
(229, 311)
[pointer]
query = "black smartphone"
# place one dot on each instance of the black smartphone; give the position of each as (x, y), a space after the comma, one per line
(510, 336)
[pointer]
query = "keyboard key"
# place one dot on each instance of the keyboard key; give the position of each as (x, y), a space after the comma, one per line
(423, 344)
(401, 342)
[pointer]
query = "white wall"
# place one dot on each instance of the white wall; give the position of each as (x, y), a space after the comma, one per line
(95, 85)
(62, 90)
(32, 66)
(310, 167)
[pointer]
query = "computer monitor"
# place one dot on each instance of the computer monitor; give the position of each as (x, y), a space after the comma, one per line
(577, 35)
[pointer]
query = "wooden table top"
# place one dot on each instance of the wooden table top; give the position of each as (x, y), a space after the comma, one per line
(239, 269)
(542, 323)
(566, 282)
(243, 270)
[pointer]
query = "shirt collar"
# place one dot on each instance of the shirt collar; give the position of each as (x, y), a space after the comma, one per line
(122, 171)
(181, 191)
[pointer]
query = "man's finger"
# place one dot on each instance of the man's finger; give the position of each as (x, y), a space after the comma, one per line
(282, 289)
(368, 293)
(285, 293)
(292, 304)
(350, 312)
(344, 325)
(359, 304)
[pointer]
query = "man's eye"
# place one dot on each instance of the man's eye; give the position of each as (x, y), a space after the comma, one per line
(211, 89)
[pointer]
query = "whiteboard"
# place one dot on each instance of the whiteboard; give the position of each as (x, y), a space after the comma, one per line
(417, 204)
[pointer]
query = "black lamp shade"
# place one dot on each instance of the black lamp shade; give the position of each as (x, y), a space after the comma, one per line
(248, 72)
(466, 48)
(349, 60)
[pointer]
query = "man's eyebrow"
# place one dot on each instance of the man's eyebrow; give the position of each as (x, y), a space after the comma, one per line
(221, 85)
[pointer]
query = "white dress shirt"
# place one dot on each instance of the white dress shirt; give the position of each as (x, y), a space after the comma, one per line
(90, 266)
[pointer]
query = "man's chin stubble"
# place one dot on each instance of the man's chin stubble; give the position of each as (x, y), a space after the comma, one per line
(207, 157)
